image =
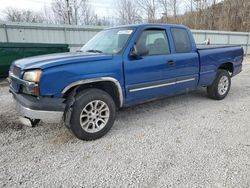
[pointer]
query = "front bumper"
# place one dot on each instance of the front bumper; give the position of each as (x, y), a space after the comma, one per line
(47, 109)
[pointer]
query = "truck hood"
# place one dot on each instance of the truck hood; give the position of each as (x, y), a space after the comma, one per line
(52, 60)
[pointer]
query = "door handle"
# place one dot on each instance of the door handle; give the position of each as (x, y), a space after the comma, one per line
(170, 62)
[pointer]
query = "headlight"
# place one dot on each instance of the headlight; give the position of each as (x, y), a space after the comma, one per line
(32, 76)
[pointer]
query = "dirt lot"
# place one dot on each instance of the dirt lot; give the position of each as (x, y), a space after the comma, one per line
(183, 141)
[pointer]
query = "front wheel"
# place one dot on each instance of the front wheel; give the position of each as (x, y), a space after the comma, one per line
(221, 85)
(93, 114)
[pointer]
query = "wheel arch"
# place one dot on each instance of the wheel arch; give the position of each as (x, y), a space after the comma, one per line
(227, 66)
(108, 84)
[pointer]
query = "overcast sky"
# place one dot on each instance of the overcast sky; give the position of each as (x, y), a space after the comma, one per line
(101, 7)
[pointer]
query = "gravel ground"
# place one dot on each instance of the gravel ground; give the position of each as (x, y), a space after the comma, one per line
(183, 141)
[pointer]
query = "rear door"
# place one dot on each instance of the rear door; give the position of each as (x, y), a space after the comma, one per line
(186, 60)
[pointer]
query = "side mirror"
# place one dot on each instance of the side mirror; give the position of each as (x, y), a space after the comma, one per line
(138, 52)
(134, 52)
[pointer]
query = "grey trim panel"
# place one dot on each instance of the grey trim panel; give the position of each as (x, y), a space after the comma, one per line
(41, 103)
(186, 80)
(161, 85)
(101, 79)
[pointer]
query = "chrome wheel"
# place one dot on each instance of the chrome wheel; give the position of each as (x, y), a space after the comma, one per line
(94, 116)
(223, 85)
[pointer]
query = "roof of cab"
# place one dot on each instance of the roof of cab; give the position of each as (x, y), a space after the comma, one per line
(149, 25)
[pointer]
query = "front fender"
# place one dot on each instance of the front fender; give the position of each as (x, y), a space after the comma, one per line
(55, 80)
(95, 80)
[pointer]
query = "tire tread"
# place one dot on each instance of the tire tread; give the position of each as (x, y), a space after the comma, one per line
(81, 99)
(212, 90)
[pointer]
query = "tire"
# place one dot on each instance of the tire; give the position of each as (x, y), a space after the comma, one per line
(93, 114)
(221, 85)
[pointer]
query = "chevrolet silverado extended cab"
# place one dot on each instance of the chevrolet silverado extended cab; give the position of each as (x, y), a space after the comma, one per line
(119, 67)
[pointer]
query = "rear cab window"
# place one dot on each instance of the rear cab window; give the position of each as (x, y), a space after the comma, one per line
(181, 39)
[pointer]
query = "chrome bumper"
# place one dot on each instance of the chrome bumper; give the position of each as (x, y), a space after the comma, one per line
(45, 116)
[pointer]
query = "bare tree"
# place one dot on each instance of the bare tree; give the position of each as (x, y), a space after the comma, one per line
(73, 12)
(47, 13)
(103, 21)
(170, 9)
(231, 15)
(128, 12)
(174, 5)
(86, 14)
(15, 15)
(59, 9)
(149, 8)
(165, 6)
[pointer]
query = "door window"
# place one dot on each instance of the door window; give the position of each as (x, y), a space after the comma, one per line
(154, 42)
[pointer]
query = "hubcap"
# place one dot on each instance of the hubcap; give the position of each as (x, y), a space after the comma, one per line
(223, 85)
(94, 116)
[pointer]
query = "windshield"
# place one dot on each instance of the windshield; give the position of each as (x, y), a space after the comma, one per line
(111, 41)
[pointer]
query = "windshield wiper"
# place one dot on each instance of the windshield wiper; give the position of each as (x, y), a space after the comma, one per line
(95, 51)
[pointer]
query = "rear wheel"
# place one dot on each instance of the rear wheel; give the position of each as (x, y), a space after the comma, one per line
(93, 114)
(221, 85)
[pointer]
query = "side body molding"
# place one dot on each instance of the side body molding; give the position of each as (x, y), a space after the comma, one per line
(100, 79)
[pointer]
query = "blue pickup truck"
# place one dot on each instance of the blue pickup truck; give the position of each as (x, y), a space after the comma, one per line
(119, 67)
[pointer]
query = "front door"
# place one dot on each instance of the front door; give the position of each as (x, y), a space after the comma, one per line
(155, 72)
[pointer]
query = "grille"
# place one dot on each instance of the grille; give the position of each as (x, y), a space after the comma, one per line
(16, 71)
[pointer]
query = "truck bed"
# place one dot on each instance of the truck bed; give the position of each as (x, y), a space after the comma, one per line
(213, 56)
